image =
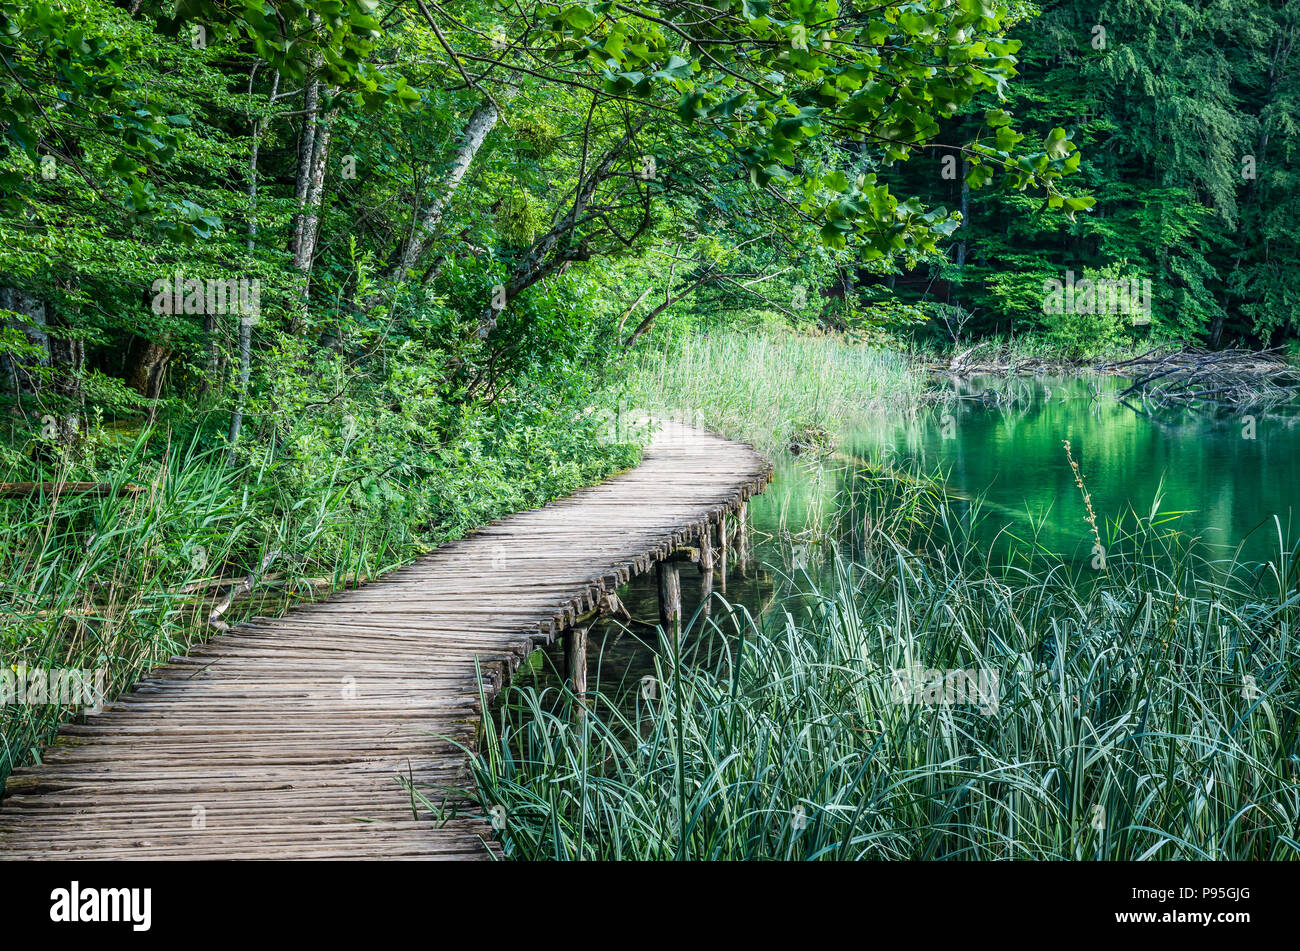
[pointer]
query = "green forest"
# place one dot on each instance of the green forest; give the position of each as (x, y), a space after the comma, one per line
(470, 216)
(294, 291)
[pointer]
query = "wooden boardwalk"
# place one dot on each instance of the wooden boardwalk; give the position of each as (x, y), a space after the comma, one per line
(286, 738)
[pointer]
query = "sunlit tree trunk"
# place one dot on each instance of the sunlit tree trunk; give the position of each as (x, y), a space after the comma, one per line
(307, 227)
(426, 225)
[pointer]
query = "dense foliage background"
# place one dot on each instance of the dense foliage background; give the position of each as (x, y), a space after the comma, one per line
(1186, 115)
(448, 211)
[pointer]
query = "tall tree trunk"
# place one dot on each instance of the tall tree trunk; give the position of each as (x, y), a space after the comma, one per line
(23, 372)
(306, 147)
(306, 151)
(307, 221)
(250, 242)
(476, 132)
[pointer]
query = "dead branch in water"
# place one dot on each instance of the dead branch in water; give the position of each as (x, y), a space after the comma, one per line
(238, 591)
(1163, 376)
(1230, 378)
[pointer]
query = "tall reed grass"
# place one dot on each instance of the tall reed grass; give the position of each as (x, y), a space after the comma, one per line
(772, 390)
(1151, 711)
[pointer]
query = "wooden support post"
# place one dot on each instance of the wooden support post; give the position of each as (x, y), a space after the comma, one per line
(670, 597)
(722, 553)
(706, 568)
(575, 663)
(742, 539)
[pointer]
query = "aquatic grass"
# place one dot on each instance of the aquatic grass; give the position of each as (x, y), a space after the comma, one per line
(769, 389)
(1148, 712)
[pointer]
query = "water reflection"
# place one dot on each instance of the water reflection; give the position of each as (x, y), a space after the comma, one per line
(1225, 471)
